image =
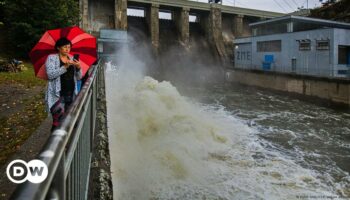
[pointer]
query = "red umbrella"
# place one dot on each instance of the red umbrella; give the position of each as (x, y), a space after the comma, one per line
(82, 43)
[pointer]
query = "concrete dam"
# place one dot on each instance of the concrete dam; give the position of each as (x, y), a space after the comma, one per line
(205, 39)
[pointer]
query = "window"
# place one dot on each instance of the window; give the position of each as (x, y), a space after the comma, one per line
(269, 46)
(193, 18)
(165, 15)
(343, 55)
(342, 72)
(135, 12)
(304, 45)
(322, 44)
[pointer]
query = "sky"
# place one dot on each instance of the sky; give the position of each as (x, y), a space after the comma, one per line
(284, 6)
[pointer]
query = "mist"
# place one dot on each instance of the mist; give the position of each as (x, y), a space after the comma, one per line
(194, 65)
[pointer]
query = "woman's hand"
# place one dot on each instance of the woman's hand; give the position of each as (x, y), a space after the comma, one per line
(75, 63)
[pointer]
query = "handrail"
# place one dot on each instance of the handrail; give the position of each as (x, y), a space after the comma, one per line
(65, 150)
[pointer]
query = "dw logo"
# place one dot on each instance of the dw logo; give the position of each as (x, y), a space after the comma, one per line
(35, 171)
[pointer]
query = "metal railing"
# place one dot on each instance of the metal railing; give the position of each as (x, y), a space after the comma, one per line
(68, 150)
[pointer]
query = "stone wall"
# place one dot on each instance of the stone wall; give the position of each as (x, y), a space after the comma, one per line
(328, 89)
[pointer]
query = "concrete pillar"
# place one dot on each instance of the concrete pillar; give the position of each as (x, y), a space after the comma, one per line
(238, 25)
(120, 14)
(153, 23)
(84, 14)
(214, 33)
(290, 27)
(215, 23)
(183, 25)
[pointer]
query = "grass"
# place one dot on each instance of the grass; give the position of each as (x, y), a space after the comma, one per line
(17, 127)
(25, 78)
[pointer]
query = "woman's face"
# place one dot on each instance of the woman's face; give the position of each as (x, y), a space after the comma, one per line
(64, 50)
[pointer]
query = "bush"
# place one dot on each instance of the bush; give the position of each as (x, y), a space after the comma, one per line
(27, 20)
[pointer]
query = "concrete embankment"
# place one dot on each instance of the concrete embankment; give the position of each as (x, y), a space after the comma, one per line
(100, 178)
(330, 90)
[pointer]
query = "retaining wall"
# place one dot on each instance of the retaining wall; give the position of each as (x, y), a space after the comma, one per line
(334, 90)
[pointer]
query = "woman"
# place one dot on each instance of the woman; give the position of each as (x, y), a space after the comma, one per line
(63, 72)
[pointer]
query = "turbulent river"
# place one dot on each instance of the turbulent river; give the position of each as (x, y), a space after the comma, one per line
(225, 142)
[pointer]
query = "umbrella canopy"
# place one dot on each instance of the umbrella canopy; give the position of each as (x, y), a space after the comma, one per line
(82, 43)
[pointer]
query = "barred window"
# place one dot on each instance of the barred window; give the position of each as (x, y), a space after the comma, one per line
(305, 45)
(322, 44)
(269, 46)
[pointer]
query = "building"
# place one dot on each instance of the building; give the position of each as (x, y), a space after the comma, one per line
(295, 44)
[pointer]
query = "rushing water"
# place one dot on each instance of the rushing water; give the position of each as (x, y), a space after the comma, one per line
(226, 142)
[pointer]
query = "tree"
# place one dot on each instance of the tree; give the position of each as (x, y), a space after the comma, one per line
(328, 2)
(27, 20)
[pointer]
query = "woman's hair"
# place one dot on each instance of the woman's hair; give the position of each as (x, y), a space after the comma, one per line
(61, 42)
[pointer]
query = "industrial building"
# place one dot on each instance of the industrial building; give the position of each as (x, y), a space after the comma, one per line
(295, 44)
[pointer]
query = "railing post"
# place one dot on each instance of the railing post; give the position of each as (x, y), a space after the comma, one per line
(58, 186)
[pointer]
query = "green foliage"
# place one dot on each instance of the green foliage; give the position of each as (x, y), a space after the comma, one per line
(338, 11)
(27, 20)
